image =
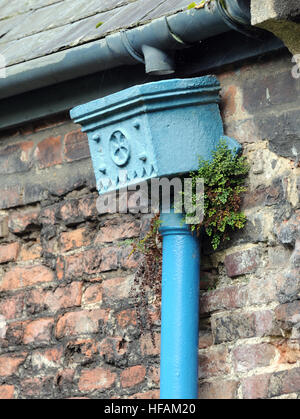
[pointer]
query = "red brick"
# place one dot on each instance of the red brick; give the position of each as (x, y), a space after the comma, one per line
(117, 289)
(12, 307)
(61, 298)
(233, 326)
(256, 387)
(48, 215)
(109, 259)
(38, 331)
(47, 358)
(113, 348)
(87, 207)
(31, 386)
(80, 322)
(288, 313)
(9, 252)
(127, 318)
(74, 239)
(87, 262)
(263, 195)
(264, 322)
(19, 277)
(147, 347)
(60, 268)
(223, 299)
(229, 105)
(48, 152)
(64, 297)
(76, 211)
(96, 379)
(262, 289)
(93, 294)
(291, 381)
(241, 263)
(82, 351)
(113, 230)
(255, 198)
(90, 262)
(64, 378)
(248, 357)
(151, 395)
(37, 387)
(128, 260)
(76, 146)
(154, 374)
(20, 222)
(214, 363)
(223, 390)
(7, 392)
(9, 365)
(15, 333)
(32, 252)
(16, 158)
(132, 376)
(205, 339)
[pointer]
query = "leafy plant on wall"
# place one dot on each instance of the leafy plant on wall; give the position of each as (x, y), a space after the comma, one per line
(224, 183)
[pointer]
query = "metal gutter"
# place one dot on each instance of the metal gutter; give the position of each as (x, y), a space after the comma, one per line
(153, 44)
(206, 57)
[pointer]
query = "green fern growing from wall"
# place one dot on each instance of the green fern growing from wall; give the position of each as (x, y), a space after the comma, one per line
(224, 182)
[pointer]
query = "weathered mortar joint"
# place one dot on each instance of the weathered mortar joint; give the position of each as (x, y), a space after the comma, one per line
(3, 227)
(280, 18)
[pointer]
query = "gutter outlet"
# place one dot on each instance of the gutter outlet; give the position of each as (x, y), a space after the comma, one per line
(158, 62)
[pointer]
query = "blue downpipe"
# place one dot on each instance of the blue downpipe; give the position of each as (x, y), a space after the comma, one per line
(180, 310)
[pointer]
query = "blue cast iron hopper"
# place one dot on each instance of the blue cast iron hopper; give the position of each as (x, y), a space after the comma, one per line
(153, 130)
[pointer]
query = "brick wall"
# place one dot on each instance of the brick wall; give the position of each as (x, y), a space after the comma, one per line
(249, 339)
(68, 327)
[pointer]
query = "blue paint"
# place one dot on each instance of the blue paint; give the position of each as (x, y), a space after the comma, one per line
(180, 310)
(169, 123)
(155, 130)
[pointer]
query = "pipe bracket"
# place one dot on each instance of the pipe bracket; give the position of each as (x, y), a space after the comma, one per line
(176, 36)
(237, 23)
(129, 48)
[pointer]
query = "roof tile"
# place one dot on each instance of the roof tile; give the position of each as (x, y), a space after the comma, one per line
(35, 28)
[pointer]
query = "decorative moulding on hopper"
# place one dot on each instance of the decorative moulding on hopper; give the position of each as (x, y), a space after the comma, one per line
(152, 130)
